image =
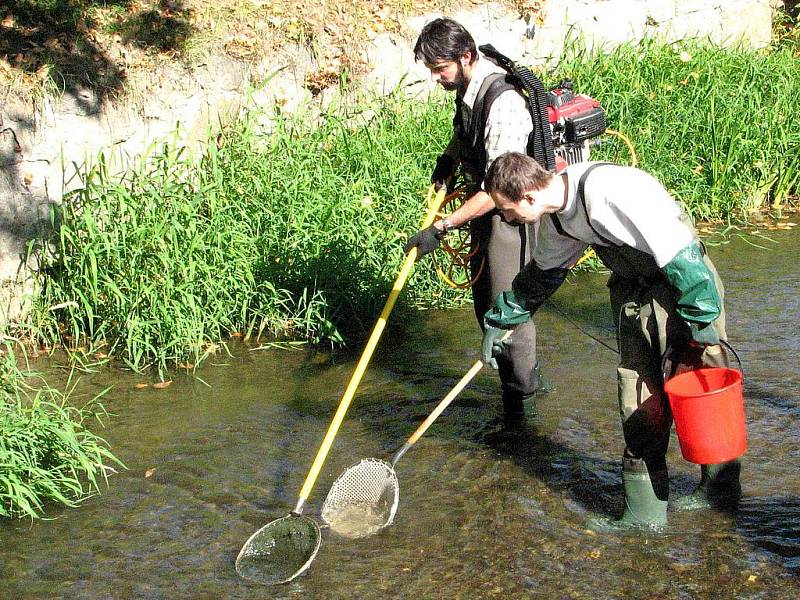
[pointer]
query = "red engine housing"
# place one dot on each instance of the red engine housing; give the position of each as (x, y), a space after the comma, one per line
(578, 104)
(574, 119)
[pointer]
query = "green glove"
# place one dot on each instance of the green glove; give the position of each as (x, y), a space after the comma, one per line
(698, 301)
(530, 288)
(704, 335)
(493, 344)
(507, 312)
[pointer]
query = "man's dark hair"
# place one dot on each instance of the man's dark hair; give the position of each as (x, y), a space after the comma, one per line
(512, 174)
(444, 39)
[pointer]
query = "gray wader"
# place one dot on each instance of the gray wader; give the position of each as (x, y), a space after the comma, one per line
(502, 250)
(649, 329)
(648, 326)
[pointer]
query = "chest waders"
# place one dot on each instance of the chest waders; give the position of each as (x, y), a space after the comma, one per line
(648, 325)
(498, 252)
(644, 307)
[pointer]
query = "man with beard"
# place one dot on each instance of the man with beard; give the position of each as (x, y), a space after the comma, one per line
(491, 118)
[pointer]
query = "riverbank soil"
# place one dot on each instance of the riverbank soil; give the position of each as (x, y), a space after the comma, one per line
(110, 48)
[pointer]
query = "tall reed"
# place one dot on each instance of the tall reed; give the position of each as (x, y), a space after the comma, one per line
(297, 233)
(718, 126)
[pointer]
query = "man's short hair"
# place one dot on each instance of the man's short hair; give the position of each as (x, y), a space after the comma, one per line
(513, 173)
(444, 39)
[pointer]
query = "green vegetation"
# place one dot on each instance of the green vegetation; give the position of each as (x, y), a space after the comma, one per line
(719, 127)
(298, 232)
(295, 233)
(46, 453)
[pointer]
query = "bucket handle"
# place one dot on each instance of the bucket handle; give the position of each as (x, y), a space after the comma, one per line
(723, 343)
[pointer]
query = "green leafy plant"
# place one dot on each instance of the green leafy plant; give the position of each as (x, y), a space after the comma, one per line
(717, 125)
(47, 453)
(296, 233)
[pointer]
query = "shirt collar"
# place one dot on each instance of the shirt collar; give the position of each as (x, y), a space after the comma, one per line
(482, 68)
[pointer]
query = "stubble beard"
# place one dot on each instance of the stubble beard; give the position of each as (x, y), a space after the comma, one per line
(457, 85)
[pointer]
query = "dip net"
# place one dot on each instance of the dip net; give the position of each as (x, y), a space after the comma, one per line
(279, 551)
(363, 500)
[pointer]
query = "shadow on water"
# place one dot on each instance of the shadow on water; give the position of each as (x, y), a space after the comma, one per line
(772, 524)
(587, 480)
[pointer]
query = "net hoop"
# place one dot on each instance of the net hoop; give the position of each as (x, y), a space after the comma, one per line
(371, 482)
(276, 538)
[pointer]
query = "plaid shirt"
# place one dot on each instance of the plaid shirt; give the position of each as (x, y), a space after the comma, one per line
(509, 122)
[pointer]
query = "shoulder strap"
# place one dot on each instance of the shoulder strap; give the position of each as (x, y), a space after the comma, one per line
(559, 228)
(540, 142)
(581, 196)
(494, 85)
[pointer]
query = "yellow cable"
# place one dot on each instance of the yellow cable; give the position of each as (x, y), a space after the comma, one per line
(627, 142)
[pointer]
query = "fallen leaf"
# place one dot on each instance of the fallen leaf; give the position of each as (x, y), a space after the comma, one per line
(141, 386)
(149, 472)
(162, 384)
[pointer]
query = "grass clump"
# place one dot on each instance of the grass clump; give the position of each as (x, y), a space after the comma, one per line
(718, 126)
(47, 454)
(294, 233)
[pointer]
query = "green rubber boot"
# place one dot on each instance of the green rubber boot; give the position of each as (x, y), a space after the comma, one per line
(545, 385)
(644, 508)
(719, 488)
(517, 408)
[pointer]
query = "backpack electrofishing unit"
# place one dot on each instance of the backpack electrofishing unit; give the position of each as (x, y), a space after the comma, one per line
(564, 122)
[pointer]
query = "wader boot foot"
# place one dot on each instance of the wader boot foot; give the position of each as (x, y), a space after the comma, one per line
(545, 386)
(644, 510)
(719, 488)
(517, 408)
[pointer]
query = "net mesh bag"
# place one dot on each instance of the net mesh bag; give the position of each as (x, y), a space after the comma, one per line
(363, 499)
(279, 551)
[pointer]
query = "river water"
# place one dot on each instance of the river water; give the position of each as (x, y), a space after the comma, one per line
(484, 512)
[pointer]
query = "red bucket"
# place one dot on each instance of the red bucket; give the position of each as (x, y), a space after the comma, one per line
(709, 414)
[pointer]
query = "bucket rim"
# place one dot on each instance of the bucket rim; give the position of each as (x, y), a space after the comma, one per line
(674, 380)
